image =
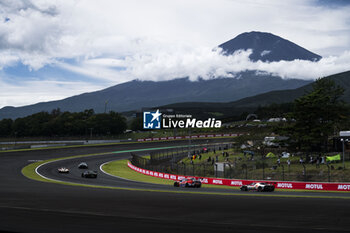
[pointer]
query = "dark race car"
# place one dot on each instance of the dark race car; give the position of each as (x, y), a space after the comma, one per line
(89, 174)
(260, 187)
(83, 165)
(188, 182)
(63, 170)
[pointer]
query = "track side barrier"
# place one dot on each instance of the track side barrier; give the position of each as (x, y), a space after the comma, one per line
(189, 137)
(234, 182)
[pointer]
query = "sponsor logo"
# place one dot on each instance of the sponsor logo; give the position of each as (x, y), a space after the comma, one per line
(204, 180)
(181, 177)
(238, 183)
(151, 173)
(173, 177)
(313, 186)
(166, 176)
(344, 187)
(285, 185)
(156, 174)
(157, 120)
(217, 181)
(151, 120)
(191, 123)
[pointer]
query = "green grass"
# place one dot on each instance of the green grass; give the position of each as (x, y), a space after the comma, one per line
(120, 168)
(205, 156)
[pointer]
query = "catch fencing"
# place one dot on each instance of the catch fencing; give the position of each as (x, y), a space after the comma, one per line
(223, 164)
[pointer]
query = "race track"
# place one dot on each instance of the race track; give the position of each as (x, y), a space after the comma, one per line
(32, 206)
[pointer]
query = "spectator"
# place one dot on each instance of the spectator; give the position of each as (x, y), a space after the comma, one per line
(209, 159)
(288, 162)
(301, 160)
(199, 156)
(278, 161)
(216, 158)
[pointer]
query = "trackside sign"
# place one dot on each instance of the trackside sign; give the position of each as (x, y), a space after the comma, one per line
(345, 187)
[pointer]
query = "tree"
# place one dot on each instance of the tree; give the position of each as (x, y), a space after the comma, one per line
(136, 124)
(316, 114)
(5, 127)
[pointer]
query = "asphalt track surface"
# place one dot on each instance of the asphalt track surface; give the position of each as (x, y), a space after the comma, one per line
(32, 206)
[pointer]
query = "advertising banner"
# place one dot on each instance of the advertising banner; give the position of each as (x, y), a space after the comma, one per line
(235, 182)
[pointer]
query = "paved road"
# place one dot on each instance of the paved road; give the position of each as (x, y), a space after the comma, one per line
(32, 206)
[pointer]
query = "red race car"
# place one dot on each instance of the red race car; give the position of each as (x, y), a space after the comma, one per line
(188, 182)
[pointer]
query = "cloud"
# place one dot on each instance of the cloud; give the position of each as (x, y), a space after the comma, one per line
(44, 32)
(34, 91)
(114, 41)
(205, 63)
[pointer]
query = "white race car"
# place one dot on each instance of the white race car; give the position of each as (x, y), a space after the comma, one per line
(260, 187)
(63, 170)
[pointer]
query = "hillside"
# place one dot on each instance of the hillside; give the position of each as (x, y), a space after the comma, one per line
(135, 94)
(250, 104)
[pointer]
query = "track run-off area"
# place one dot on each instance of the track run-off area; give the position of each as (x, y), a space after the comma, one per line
(34, 197)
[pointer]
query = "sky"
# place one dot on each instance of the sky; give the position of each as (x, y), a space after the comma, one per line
(53, 49)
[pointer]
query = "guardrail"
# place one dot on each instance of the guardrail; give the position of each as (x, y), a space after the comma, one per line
(234, 182)
(189, 137)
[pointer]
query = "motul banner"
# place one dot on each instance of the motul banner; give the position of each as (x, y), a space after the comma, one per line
(233, 182)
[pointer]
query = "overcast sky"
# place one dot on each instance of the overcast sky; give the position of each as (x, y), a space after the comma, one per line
(52, 49)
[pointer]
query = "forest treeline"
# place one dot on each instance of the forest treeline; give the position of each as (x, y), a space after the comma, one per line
(57, 123)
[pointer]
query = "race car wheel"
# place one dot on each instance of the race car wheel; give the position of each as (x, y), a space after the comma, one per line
(259, 189)
(186, 185)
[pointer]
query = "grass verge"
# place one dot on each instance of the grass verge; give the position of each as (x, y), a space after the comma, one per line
(120, 168)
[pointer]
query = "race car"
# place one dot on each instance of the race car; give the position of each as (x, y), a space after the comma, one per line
(83, 165)
(190, 182)
(260, 187)
(63, 170)
(89, 174)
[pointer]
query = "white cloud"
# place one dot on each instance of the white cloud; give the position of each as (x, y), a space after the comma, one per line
(34, 91)
(72, 29)
(205, 63)
(115, 41)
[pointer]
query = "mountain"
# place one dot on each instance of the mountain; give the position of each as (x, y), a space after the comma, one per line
(250, 104)
(267, 47)
(137, 94)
